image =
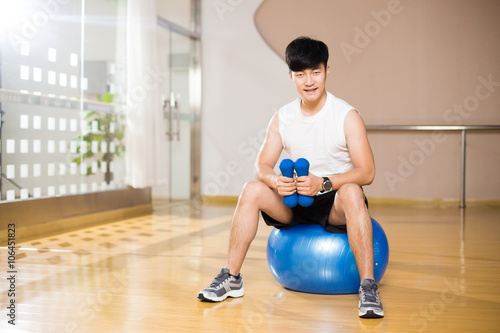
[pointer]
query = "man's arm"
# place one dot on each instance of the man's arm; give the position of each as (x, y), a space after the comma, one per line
(360, 152)
(361, 157)
(268, 156)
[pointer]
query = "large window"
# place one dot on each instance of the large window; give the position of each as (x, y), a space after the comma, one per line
(65, 67)
(62, 122)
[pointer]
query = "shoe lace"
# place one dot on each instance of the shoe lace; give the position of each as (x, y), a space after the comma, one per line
(219, 279)
(370, 294)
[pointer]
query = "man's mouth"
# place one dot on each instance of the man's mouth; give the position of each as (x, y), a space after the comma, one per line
(310, 90)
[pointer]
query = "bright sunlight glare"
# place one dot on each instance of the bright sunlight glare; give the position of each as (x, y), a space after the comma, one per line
(13, 14)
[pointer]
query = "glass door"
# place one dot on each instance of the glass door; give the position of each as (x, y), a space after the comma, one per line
(183, 117)
(180, 96)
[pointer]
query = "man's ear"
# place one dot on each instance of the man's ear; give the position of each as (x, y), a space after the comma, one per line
(327, 69)
(290, 73)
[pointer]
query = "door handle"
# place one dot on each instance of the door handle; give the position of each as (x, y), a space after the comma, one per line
(171, 106)
(178, 112)
(167, 114)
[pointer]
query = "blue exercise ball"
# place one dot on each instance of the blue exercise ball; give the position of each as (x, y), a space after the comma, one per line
(309, 259)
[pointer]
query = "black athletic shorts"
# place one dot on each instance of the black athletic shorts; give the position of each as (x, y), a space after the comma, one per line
(317, 213)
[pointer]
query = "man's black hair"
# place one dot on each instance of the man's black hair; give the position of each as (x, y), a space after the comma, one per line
(306, 53)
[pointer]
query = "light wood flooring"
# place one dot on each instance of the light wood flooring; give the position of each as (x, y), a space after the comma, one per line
(143, 275)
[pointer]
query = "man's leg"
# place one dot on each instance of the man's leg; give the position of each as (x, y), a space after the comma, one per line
(349, 209)
(256, 196)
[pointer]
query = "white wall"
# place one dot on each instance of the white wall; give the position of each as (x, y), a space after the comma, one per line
(244, 83)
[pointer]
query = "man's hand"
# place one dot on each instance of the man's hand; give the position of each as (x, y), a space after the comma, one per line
(309, 185)
(286, 186)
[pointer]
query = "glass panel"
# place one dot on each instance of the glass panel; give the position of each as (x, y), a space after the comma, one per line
(163, 35)
(176, 56)
(105, 120)
(180, 161)
(40, 104)
(63, 124)
(56, 112)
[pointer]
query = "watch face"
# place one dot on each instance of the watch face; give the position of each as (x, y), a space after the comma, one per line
(327, 184)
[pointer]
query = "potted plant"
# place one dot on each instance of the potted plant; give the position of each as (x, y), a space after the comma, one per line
(110, 129)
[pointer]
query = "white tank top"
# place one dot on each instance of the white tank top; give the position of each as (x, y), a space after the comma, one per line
(320, 138)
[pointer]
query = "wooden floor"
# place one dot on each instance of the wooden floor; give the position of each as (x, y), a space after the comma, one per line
(143, 275)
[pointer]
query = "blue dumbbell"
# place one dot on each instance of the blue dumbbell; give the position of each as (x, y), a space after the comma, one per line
(302, 169)
(286, 167)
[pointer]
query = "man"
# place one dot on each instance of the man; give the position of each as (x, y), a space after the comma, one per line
(331, 135)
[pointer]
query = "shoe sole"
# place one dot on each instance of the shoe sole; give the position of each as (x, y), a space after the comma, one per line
(370, 312)
(232, 293)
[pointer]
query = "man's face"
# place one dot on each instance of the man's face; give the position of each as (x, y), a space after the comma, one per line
(310, 83)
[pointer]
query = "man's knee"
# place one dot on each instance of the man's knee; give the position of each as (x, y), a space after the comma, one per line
(253, 190)
(351, 193)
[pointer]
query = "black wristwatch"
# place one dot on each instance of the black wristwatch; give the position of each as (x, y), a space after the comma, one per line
(327, 184)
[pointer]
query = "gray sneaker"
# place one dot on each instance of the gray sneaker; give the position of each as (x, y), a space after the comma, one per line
(369, 300)
(223, 286)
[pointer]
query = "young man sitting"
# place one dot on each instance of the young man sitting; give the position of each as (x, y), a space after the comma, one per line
(331, 135)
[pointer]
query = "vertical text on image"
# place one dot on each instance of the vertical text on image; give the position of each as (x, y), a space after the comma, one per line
(11, 273)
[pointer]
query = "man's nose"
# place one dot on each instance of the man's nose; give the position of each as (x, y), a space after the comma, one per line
(309, 80)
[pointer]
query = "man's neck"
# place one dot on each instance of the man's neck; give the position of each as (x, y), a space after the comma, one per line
(311, 108)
